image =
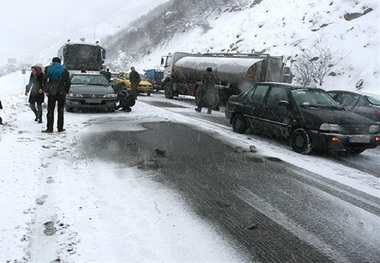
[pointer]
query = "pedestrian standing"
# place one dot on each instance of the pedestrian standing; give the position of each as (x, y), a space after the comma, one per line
(208, 92)
(36, 93)
(56, 86)
(108, 75)
(134, 78)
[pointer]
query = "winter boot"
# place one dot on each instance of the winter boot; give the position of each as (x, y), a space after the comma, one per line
(40, 117)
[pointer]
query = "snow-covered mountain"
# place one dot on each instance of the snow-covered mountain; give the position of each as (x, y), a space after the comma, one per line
(348, 30)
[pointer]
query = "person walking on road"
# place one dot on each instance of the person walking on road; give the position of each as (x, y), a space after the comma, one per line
(208, 93)
(56, 86)
(134, 78)
(36, 93)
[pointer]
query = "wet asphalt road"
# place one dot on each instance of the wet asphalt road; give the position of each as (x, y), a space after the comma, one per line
(270, 210)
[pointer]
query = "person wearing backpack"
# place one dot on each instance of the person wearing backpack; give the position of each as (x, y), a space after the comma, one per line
(56, 86)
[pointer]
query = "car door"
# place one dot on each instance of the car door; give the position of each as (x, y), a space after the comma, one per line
(276, 111)
(254, 105)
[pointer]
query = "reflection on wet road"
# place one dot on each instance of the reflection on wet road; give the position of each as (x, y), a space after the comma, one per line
(273, 211)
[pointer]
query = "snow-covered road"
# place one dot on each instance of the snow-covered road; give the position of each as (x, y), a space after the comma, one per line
(58, 204)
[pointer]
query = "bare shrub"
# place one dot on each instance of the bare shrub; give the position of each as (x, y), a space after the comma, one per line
(314, 63)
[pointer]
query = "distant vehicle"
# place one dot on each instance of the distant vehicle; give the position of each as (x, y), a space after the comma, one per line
(155, 77)
(143, 87)
(367, 105)
(308, 117)
(183, 72)
(113, 75)
(82, 56)
(90, 91)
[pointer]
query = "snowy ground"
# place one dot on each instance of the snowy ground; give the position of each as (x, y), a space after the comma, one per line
(59, 204)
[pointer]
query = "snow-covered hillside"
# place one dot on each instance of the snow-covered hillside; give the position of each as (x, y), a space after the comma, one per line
(348, 29)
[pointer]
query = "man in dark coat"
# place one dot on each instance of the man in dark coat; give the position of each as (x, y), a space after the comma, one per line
(208, 92)
(36, 93)
(57, 86)
(134, 78)
(108, 75)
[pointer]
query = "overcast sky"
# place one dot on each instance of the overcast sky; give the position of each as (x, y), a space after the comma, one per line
(34, 30)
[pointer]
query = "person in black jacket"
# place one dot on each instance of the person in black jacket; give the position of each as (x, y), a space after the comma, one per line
(134, 78)
(56, 86)
(36, 93)
(126, 101)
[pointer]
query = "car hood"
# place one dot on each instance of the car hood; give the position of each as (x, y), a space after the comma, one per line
(91, 89)
(145, 83)
(318, 116)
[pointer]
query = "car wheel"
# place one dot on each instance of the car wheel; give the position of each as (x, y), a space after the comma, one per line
(300, 141)
(355, 150)
(148, 94)
(68, 109)
(238, 124)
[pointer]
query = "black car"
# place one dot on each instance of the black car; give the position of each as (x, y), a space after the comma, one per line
(367, 105)
(308, 117)
(90, 91)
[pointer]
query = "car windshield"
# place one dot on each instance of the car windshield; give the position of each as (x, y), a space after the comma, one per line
(314, 98)
(82, 79)
(142, 77)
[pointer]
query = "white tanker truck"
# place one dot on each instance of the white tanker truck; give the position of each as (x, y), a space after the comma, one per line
(183, 72)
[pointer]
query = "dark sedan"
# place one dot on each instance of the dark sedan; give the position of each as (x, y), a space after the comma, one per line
(367, 105)
(308, 117)
(90, 91)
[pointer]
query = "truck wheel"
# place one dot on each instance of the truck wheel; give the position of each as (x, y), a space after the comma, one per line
(300, 141)
(238, 124)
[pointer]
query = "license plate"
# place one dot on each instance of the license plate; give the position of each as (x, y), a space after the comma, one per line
(93, 101)
(360, 139)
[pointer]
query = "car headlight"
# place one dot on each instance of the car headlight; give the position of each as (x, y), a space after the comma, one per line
(374, 129)
(110, 95)
(330, 127)
(75, 95)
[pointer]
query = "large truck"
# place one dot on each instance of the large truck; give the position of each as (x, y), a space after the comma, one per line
(82, 56)
(154, 76)
(183, 72)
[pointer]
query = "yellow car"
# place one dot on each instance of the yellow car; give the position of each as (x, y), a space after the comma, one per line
(144, 86)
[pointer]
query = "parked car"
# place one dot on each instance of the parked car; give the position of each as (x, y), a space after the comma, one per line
(367, 105)
(90, 91)
(155, 77)
(144, 86)
(309, 118)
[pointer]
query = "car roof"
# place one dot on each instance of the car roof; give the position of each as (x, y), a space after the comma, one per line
(289, 85)
(355, 92)
(86, 74)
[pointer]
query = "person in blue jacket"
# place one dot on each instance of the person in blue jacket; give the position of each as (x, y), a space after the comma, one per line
(57, 84)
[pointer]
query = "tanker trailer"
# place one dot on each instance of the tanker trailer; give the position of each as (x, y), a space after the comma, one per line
(183, 72)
